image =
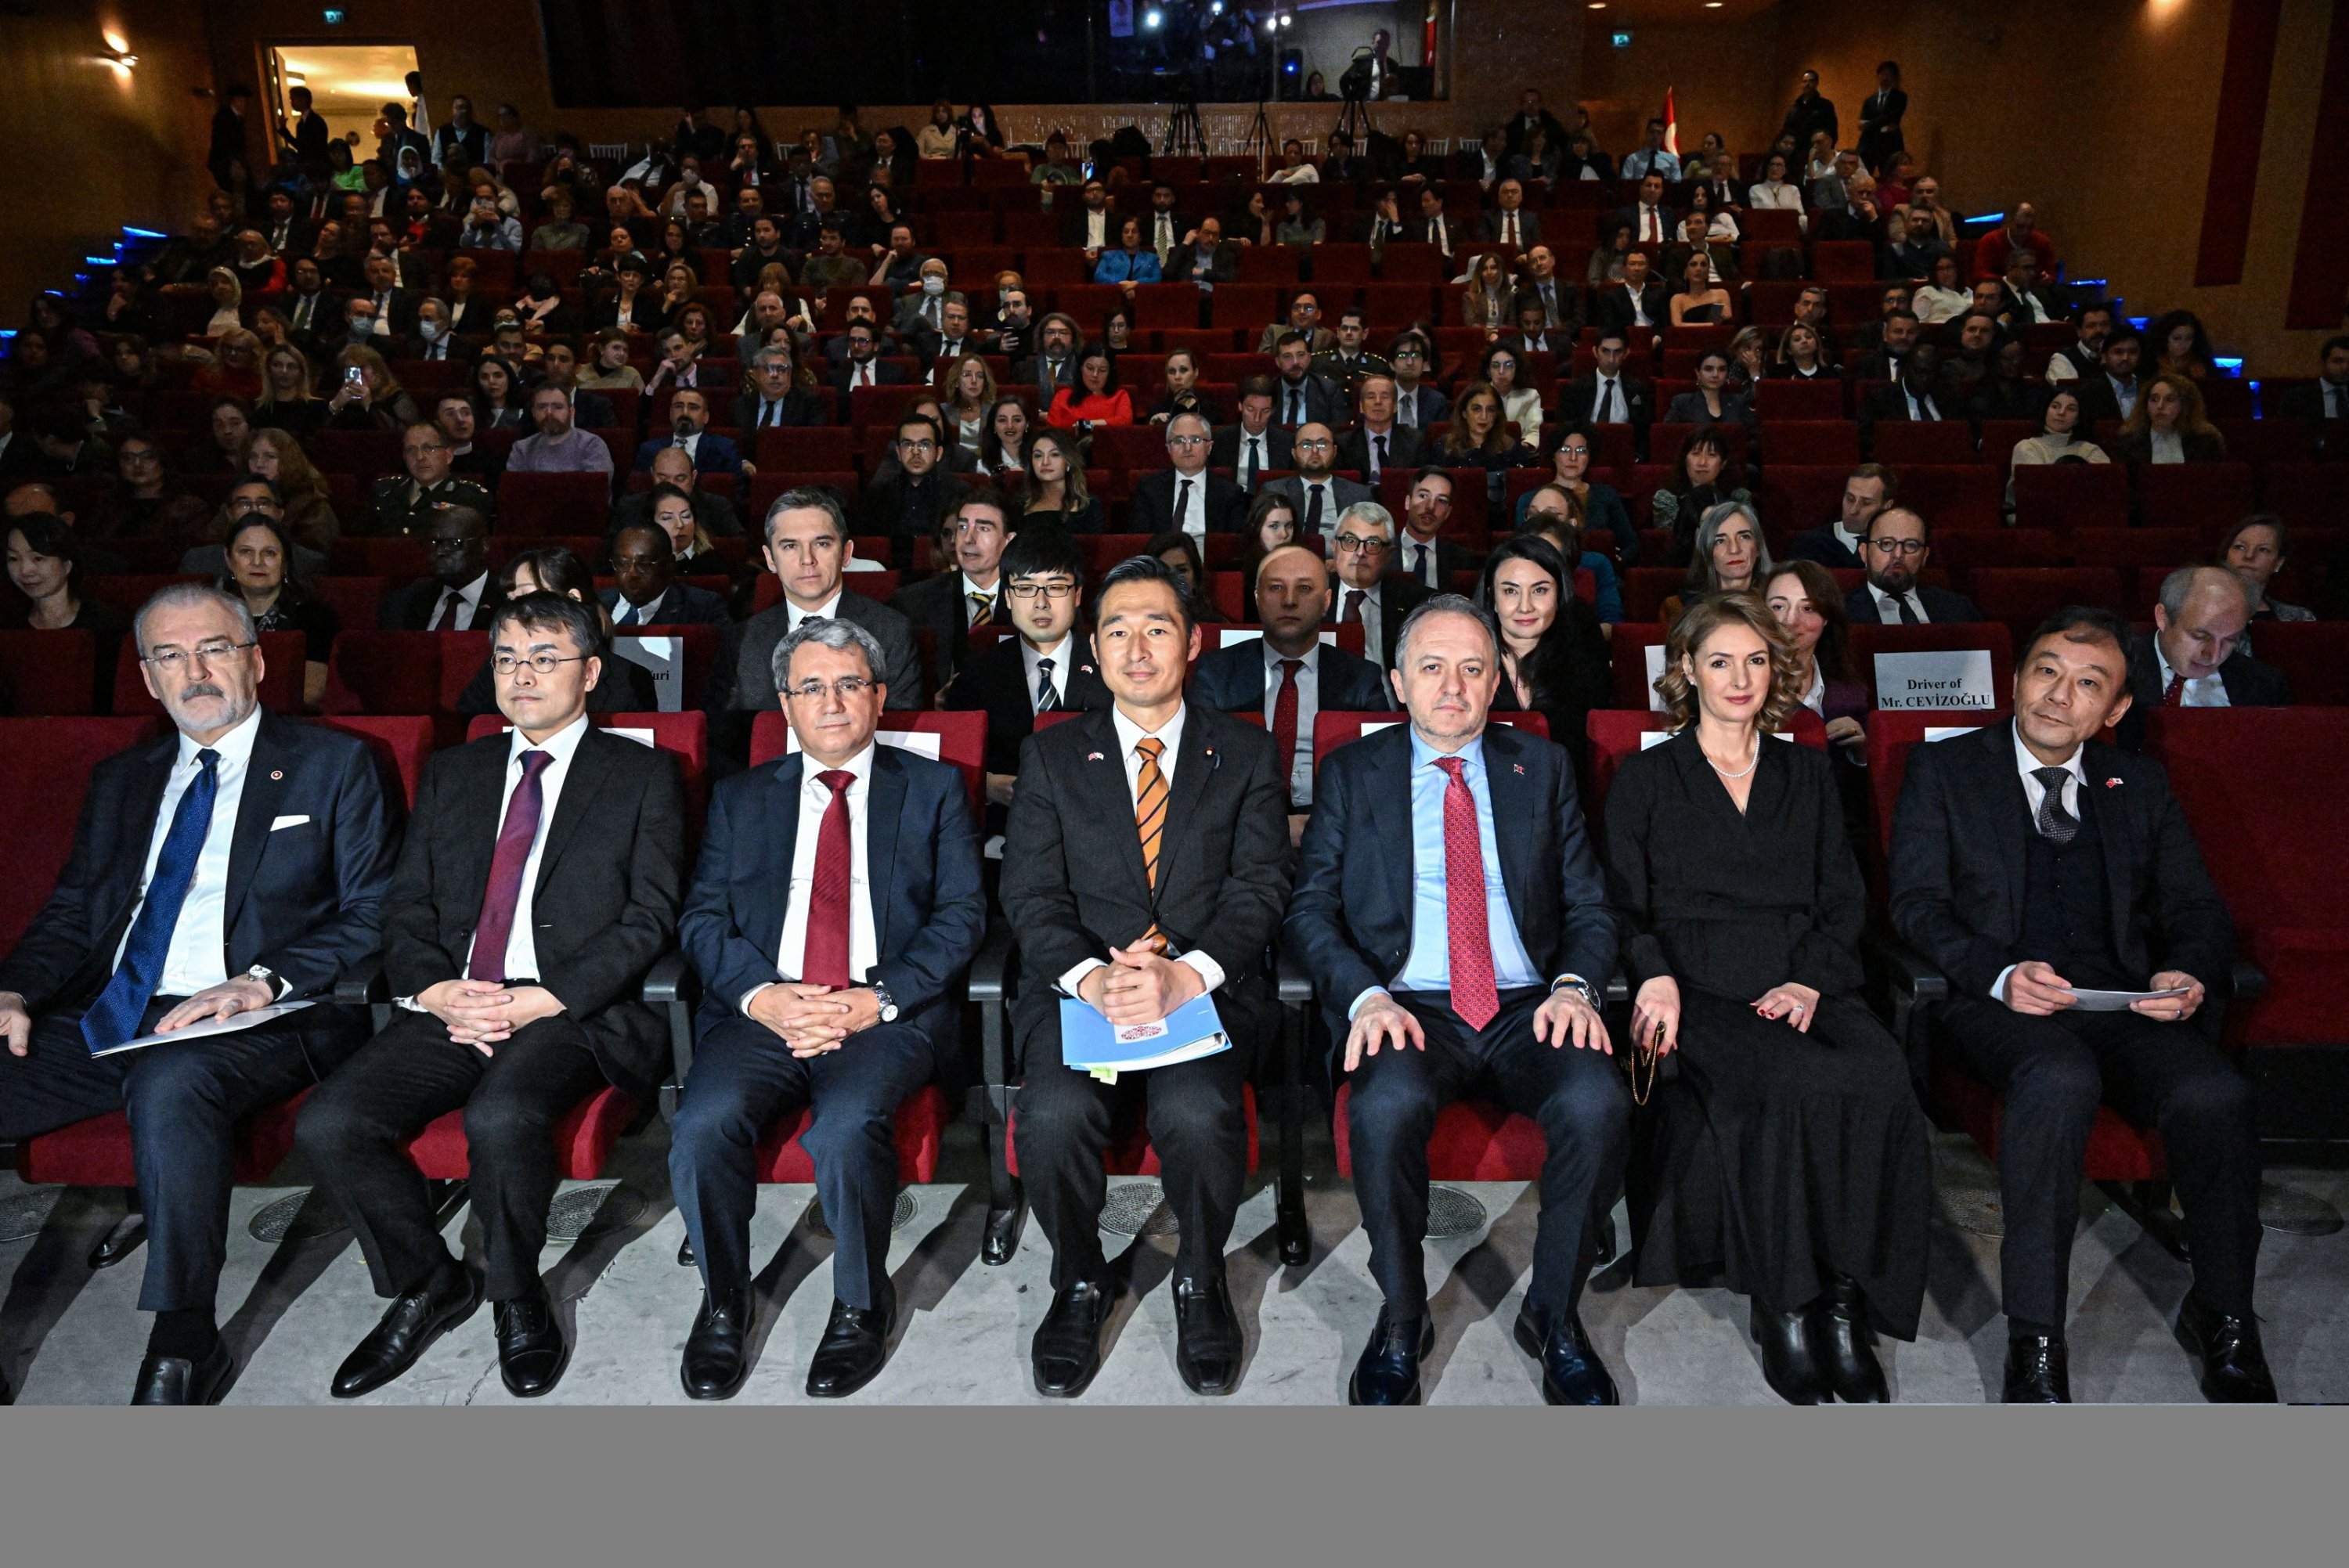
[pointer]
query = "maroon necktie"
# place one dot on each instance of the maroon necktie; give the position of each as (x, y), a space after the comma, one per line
(1284, 715)
(825, 962)
(515, 836)
(1351, 614)
(1474, 996)
(2174, 694)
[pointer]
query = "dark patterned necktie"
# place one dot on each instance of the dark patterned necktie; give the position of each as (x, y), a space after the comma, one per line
(2056, 824)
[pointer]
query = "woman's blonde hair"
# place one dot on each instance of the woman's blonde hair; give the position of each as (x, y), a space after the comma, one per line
(1707, 614)
(952, 384)
(269, 398)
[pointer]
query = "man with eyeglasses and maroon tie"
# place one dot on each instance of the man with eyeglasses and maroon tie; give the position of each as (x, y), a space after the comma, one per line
(541, 877)
(836, 906)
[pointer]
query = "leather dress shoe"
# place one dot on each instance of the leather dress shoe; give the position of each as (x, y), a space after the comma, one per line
(2038, 1370)
(717, 1352)
(176, 1381)
(532, 1351)
(1789, 1364)
(1845, 1346)
(1207, 1342)
(1067, 1350)
(2234, 1368)
(1387, 1372)
(1572, 1373)
(855, 1347)
(409, 1324)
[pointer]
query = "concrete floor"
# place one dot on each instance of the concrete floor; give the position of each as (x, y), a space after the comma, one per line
(291, 1311)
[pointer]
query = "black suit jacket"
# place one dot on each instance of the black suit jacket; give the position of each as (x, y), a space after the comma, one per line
(1959, 846)
(1942, 605)
(1324, 405)
(1233, 679)
(1488, 227)
(2097, 401)
(1628, 218)
(1403, 450)
(1825, 546)
(929, 908)
(2304, 402)
(1154, 502)
(1890, 404)
(1611, 305)
(1351, 919)
(800, 406)
(1398, 597)
(1450, 557)
(304, 899)
(995, 682)
(1223, 267)
(843, 388)
(2249, 683)
(1073, 882)
(1582, 396)
(742, 679)
(611, 878)
(1225, 452)
(410, 609)
(938, 602)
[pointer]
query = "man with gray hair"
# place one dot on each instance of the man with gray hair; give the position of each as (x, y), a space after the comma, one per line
(1368, 596)
(822, 990)
(237, 863)
(807, 547)
(1467, 958)
(2197, 654)
(776, 397)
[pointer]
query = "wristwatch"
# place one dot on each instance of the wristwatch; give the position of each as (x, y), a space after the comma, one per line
(888, 1003)
(1581, 989)
(269, 978)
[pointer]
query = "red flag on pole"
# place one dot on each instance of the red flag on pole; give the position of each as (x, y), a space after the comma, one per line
(1671, 126)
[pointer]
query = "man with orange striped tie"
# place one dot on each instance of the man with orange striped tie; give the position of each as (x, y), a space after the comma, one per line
(1144, 866)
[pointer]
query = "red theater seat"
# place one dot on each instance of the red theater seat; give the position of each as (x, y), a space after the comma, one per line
(1474, 1140)
(2068, 496)
(45, 767)
(583, 1139)
(2314, 655)
(98, 1152)
(920, 1122)
(1868, 640)
(1130, 1152)
(960, 738)
(50, 674)
(402, 744)
(532, 505)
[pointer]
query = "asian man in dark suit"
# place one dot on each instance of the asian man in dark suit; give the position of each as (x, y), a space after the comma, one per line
(1143, 866)
(966, 593)
(2196, 656)
(1043, 667)
(822, 990)
(1899, 543)
(2032, 860)
(1436, 989)
(1188, 495)
(1638, 301)
(238, 863)
(541, 878)
(1608, 394)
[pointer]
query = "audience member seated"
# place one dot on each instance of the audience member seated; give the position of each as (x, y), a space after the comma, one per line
(1713, 402)
(2112, 394)
(1320, 493)
(1729, 555)
(1703, 475)
(1422, 553)
(146, 500)
(646, 591)
(2168, 425)
(2197, 654)
(46, 565)
(1520, 404)
(557, 448)
(1096, 399)
(1553, 648)
(1899, 543)
(2326, 397)
(1552, 512)
(1803, 598)
(1842, 544)
(1608, 394)
(265, 575)
(1054, 488)
(2255, 550)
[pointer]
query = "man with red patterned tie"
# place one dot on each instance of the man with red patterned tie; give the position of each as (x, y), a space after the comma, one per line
(836, 908)
(1467, 961)
(539, 881)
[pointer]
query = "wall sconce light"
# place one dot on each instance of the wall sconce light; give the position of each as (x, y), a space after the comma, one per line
(117, 52)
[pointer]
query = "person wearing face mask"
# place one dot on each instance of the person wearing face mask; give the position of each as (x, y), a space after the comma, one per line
(923, 309)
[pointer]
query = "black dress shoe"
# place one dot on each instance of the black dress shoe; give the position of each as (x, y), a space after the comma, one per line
(532, 1351)
(1845, 1346)
(176, 1381)
(1067, 1351)
(1387, 1372)
(2038, 1370)
(855, 1347)
(2234, 1368)
(409, 1324)
(718, 1351)
(1789, 1364)
(1572, 1373)
(1207, 1345)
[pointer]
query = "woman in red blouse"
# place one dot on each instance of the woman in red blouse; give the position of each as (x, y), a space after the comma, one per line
(1095, 400)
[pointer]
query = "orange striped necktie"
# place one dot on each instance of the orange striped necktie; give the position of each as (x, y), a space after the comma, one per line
(1150, 821)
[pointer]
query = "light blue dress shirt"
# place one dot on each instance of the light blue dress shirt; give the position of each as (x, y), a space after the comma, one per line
(1428, 966)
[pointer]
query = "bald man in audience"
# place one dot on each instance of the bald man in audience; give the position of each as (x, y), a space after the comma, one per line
(2197, 655)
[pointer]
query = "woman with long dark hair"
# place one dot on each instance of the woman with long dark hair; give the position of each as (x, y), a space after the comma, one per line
(624, 686)
(1553, 649)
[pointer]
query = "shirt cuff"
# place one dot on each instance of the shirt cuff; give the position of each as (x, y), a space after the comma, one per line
(1076, 977)
(1363, 1000)
(748, 996)
(1998, 986)
(1211, 973)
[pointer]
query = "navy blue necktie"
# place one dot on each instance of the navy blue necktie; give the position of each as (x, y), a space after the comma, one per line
(114, 1017)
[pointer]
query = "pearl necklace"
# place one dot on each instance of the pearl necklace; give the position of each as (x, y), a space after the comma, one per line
(1724, 772)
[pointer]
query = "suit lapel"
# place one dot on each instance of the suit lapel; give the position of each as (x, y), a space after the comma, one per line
(1387, 783)
(580, 785)
(2115, 834)
(1512, 791)
(2010, 811)
(265, 788)
(778, 835)
(1101, 782)
(884, 807)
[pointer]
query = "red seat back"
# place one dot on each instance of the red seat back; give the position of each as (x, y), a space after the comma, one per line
(1870, 639)
(45, 767)
(50, 674)
(2067, 496)
(531, 505)
(2312, 654)
(956, 737)
(402, 744)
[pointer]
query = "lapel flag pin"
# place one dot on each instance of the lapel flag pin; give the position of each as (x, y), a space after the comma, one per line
(280, 773)
(1520, 768)
(1092, 757)
(2112, 783)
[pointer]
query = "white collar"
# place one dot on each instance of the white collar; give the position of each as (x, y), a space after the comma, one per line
(236, 746)
(2161, 660)
(829, 609)
(1130, 734)
(860, 765)
(1310, 658)
(970, 588)
(561, 746)
(2026, 764)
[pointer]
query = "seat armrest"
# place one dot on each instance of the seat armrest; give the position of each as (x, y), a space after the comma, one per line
(670, 979)
(1296, 985)
(990, 968)
(2251, 981)
(357, 987)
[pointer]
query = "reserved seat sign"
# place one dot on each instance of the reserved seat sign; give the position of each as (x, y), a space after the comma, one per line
(1958, 678)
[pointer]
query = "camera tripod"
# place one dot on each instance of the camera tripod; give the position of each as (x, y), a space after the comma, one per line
(1184, 135)
(1259, 143)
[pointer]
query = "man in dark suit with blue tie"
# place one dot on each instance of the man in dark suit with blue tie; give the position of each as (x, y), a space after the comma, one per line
(1451, 911)
(238, 863)
(821, 988)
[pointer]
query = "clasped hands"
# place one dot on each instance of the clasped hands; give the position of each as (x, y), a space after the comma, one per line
(1138, 985)
(813, 1019)
(481, 1013)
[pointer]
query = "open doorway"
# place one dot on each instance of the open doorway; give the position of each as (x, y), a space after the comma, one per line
(350, 83)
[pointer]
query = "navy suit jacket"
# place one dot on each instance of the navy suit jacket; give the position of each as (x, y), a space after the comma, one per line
(304, 899)
(921, 851)
(682, 605)
(1825, 546)
(1942, 605)
(711, 454)
(1232, 679)
(2249, 683)
(1349, 918)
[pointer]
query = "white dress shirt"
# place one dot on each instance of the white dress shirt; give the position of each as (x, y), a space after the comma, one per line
(1608, 405)
(2201, 691)
(198, 956)
(2166, 446)
(648, 614)
(469, 605)
(522, 947)
(1130, 734)
(1888, 608)
(1309, 704)
(1418, 560)
(827, 611)
(1374, 646)
(1191, 516)
(2034, 794)
(864, 940)
(1032, 657)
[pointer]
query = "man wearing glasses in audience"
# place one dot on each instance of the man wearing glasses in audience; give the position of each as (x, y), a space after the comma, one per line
(406, 504)
(1316, 490)
(1368, 596)
(1899, 543)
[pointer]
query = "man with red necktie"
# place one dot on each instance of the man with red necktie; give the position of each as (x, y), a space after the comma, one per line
(539, 881)
(836, 908)
(1468, 961)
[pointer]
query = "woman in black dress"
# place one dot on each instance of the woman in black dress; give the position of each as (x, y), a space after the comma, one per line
(1790, 1160)
(1553, 649)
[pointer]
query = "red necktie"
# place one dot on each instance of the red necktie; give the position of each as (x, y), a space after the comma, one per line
(494, 929)
(1284, 715)
(1351, 615)
(825, 961)
(2174, 694)
(1474, 995)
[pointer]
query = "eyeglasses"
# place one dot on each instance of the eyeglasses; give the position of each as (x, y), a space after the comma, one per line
(1026, 593)
(848, 688)
(545, 664)
(1897, 546)
(1315, 446)
(1355, 544)
(450, 546)
(923, 445)
(1186, 442)
(172, 660)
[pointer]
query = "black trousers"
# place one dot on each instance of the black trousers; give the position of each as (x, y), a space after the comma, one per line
(1577, 1097)
(1197, 1122)
(2053, 1072)
(744, 1080)
(183, 1100)
(355, 1130)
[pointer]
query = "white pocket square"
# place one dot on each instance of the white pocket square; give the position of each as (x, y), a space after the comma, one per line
(287, 822)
